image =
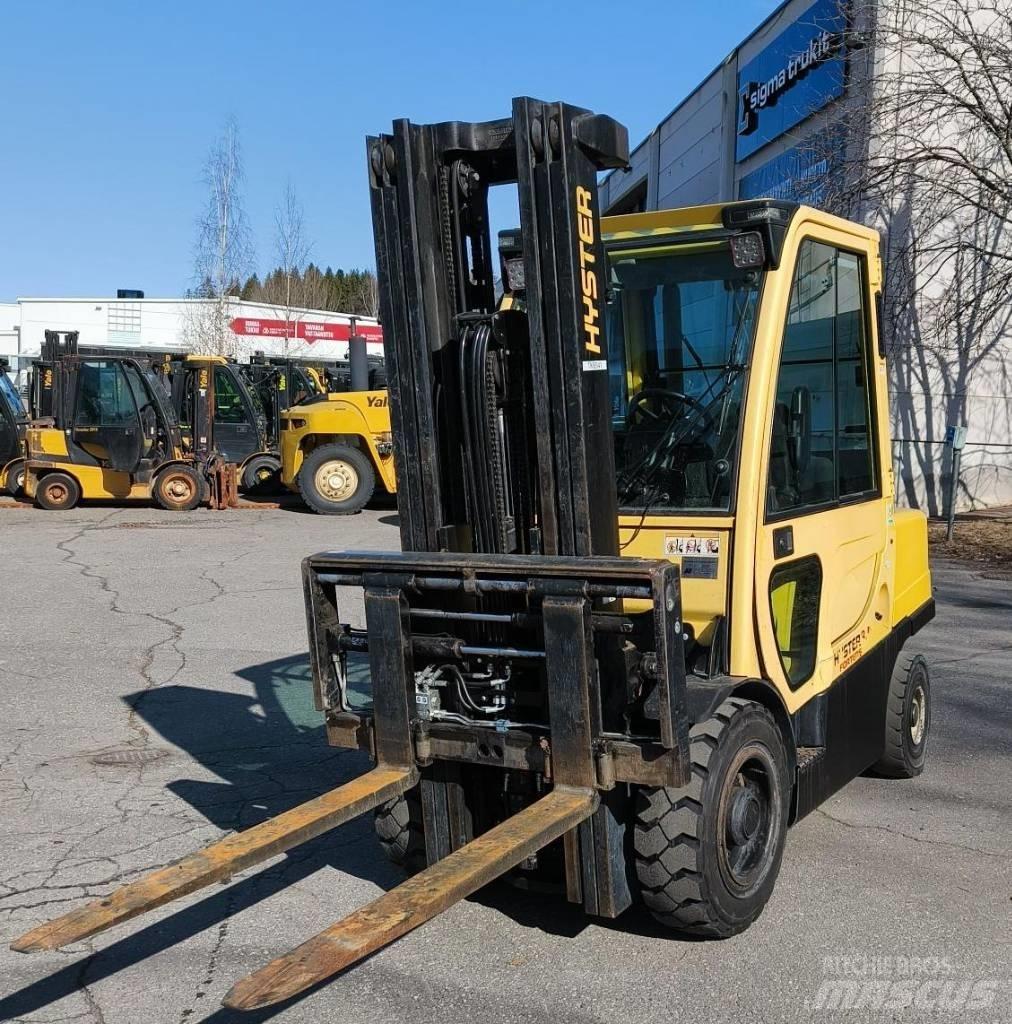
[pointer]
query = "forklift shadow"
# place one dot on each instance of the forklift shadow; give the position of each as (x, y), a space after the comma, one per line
(269, 751)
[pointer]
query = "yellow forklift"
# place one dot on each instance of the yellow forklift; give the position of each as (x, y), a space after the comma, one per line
(103, 428)
(220, 414)
(336, 447)
(654, 594)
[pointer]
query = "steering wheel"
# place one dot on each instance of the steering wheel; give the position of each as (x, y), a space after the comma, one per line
(654, 407)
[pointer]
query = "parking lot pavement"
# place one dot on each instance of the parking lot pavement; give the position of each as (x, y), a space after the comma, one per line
(155, 694)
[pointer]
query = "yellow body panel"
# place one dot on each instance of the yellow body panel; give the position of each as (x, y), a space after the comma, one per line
(46, 441)
(363, 416)
(703, 540)
(912, 585)
(96, 483)
(874, 561)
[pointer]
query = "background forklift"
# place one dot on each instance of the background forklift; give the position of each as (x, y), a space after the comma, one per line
(279, 384)
(219, 413)
(102, 428)
(336, 447)
(13, 425)
(653, 589)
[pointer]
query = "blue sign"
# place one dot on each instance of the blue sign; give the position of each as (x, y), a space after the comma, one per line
(797, 74)
(798, 175)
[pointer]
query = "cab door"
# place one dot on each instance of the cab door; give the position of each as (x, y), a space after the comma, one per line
(107, 422)
(821, 539)
(235, 433)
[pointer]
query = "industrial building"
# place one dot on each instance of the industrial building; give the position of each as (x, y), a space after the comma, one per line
(771, 120)
(174, 325)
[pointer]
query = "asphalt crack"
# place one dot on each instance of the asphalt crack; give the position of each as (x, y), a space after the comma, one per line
(907, 835)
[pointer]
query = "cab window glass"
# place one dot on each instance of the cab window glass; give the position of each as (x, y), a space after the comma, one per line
(228, 407)
(9, 394)
(795, 591)
(103, 396)
(821, 441)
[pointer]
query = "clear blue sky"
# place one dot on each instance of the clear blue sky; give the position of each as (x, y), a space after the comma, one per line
(108, 110)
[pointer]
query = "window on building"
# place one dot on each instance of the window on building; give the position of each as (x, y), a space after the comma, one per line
(125, 317)
(821, 448)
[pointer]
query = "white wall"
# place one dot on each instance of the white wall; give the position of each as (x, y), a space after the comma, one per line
(161, 325)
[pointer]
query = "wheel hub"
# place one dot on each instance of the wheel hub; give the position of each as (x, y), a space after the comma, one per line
(916, 718)
(749, 815)
(744, 815)
(336, 480)
(178, 488)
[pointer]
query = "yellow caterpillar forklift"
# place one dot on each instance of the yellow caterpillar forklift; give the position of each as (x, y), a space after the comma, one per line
(102, 428)
(336, 447)
(13, 425)
(653, 596)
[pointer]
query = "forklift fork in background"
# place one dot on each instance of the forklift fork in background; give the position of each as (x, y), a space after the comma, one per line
(223, 478)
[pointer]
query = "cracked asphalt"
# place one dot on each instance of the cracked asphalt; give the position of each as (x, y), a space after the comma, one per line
(155, 696)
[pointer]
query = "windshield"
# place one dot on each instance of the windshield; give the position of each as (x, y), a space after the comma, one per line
(9, 396)
(680, 322)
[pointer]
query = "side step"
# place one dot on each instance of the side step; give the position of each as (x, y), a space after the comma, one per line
(222, 859)
(415, 901)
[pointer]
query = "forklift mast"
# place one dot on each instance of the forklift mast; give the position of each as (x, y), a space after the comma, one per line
(504, 439)
(49, 387)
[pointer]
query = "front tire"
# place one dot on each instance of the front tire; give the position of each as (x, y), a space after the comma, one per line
(57, 492)
(707, 855)
(908, 719)
(15, 482)
(178, 489)
(336, 480)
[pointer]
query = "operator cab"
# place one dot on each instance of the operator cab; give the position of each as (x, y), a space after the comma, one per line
(237, 416)
(742, 394)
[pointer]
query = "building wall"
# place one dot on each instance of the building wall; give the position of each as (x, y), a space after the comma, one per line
(697, 155)
(161, 325)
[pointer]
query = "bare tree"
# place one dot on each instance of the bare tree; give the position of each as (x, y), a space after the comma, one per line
(223, 253)
(365, 294)
(292, 249)
(923, 151)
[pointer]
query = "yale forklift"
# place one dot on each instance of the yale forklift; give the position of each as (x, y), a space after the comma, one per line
(336, 447)
(220, 414)
(279, 384)
(653, 594)
(102, 428)
(13, 425)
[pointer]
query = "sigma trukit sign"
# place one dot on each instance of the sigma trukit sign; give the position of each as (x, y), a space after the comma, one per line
(797, 74)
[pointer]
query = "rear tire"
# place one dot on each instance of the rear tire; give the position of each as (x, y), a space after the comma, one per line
(178, 489)
(57, 492)
(908, 719)
(336, 480)
(261, 475)
(708, 854)
(400, 831)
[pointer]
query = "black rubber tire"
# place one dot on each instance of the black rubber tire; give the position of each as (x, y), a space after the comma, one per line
(15, 482)
(184, 499)
(677, 842)
(57, 492)
(400, 831)
(904, 756)
(261, 475)
(317, 500)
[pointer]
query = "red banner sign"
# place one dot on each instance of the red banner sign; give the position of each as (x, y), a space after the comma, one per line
(306, 330)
